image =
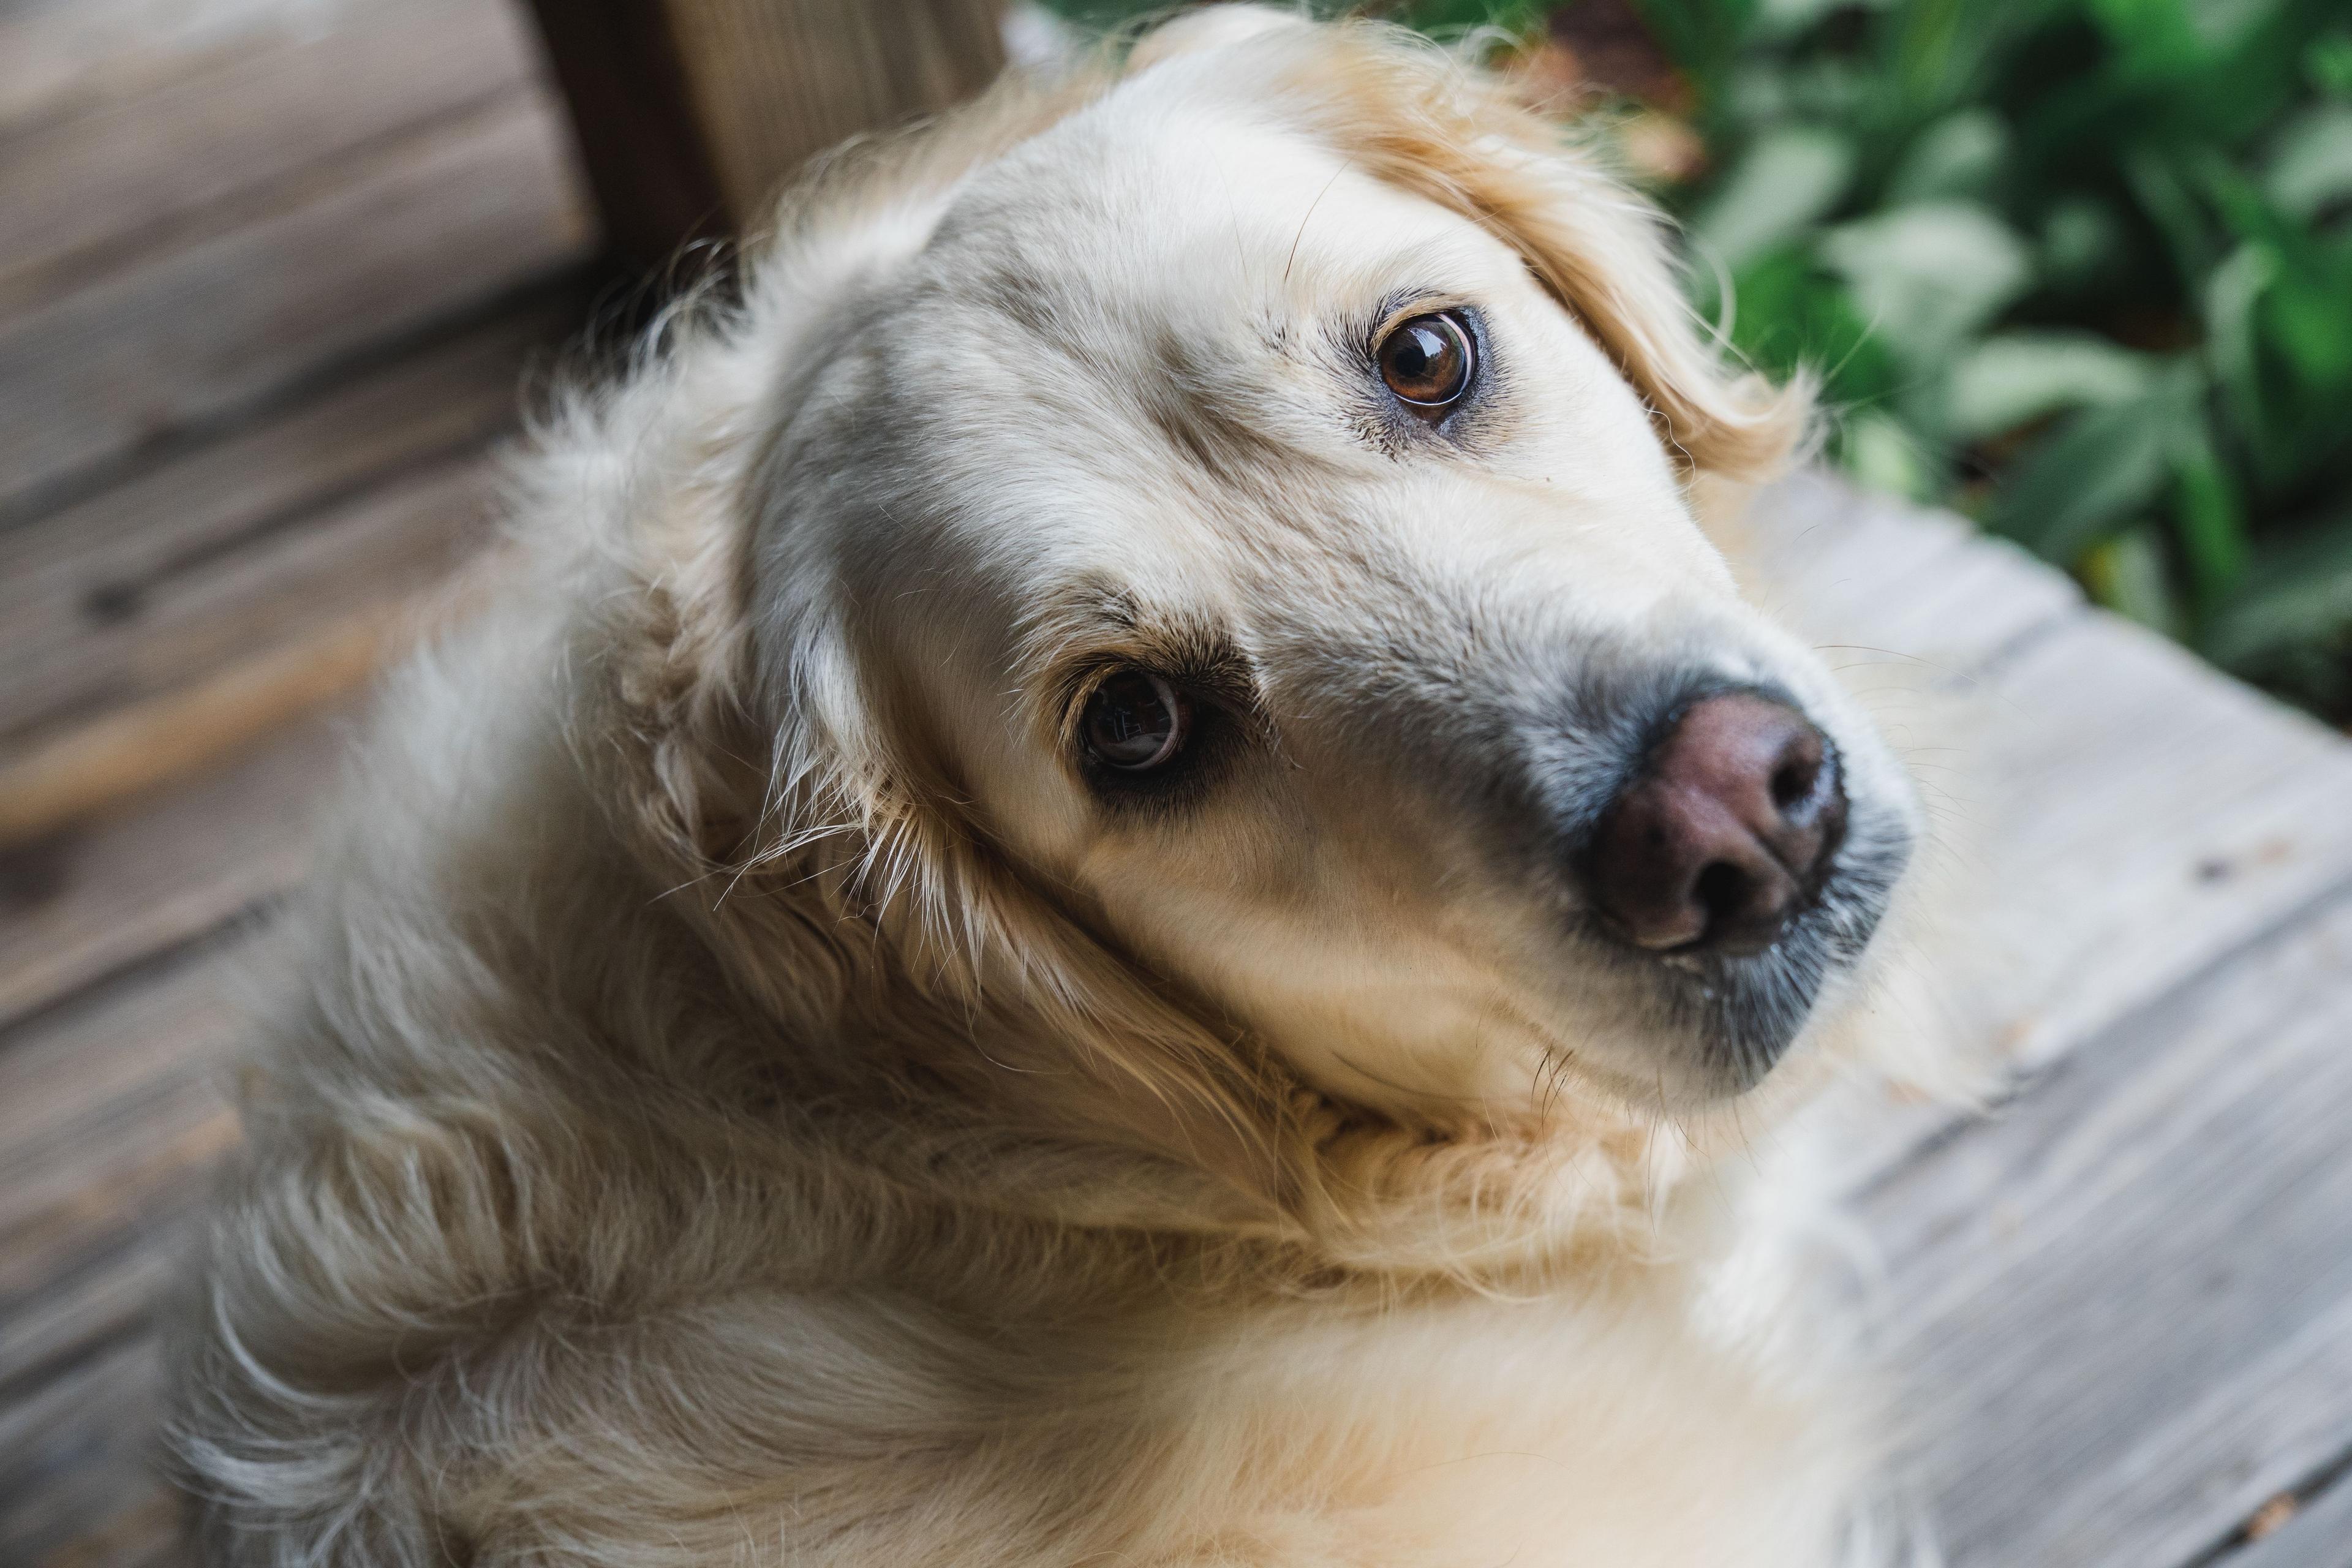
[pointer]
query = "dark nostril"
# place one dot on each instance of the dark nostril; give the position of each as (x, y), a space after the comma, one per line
(1725, 833)
(1793, 781)
(1722, 891)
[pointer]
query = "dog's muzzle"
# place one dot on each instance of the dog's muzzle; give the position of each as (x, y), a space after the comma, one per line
(1727, 830)
(1722, 863)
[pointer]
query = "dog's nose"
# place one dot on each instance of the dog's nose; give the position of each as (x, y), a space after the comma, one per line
(1725, 831)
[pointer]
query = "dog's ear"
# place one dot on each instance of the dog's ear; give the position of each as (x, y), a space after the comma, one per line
(796, 825)
(1414, 117)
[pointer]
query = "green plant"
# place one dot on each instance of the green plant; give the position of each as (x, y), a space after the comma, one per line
(2080, 267)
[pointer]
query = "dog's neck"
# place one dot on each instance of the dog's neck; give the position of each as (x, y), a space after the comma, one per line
(980, 1098)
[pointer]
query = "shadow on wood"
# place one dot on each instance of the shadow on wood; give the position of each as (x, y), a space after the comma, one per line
(690, 113)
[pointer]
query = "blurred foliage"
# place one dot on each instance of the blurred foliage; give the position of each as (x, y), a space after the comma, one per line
(2080, 267)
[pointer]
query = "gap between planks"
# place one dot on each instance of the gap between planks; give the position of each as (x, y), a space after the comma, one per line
(161, 626)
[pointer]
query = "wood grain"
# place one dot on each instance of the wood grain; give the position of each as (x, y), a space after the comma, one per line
(471, 206)
(774, 81)
(2124, 1307)
(309, 585)
(160, 580)
(95, 192)
(1877, 583)
(2318, 1534)
(100, 559)
(646, 153)
(111, 1119)
(109, 1106)
(2113, 815)
(64, 57)
(103, 764)
(78, 1483)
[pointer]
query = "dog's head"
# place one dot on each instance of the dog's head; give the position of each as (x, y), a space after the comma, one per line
(1234, 542)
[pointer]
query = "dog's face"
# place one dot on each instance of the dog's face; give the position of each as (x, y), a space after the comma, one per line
(1260, 559)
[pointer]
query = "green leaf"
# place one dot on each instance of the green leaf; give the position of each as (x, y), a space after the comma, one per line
(2019, 377)
(1789, 180)
(2165, 197)
(2328, 63)
(1791, 315)
(2081, 241)
(2151, 38)
(1960, 155)
(2127, 575)
(2229, 25)
(2101, 468)
(2232, 345)
(1787, 19)
(2209, 513)
(2308, 315)
(2301, 593)
(1880, 453)
(2310, 163)
(1928, 276)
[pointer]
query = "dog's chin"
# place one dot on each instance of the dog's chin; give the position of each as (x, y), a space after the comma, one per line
(1712, 1026)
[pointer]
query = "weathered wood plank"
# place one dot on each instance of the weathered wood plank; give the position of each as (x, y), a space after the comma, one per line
(691, 112)
(2318, 1534)
(2133, 819)
(475, 205)
(2124, 1307)
(90, 192)
(60, 58)
(2115, 815)
(1876, 580)
(330, 607)
(78, 1485)
(2117, 1395)
(331, 588)
(110, 1120)
(95, 577)
(111, 1115)
(97, 559)
(81, 905)
(134, 637)
(2155, 815)
(224, 555)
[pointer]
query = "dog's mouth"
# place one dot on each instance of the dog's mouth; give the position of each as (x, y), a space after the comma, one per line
(1719, 853)
(1736, 1013)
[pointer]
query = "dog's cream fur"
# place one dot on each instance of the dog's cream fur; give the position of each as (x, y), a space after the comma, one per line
(744, 1101)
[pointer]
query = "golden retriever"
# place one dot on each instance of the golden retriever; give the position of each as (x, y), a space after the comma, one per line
(1123, 888)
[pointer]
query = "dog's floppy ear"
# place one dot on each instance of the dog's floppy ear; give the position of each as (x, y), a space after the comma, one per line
(1413, 116)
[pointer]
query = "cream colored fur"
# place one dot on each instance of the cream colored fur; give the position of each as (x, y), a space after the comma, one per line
(740, 1101)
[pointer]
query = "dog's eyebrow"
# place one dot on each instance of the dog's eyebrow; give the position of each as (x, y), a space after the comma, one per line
(1399, 304)
(1072, 638)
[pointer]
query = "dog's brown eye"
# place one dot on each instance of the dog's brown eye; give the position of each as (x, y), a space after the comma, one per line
(1135, 721)
(1426, 363)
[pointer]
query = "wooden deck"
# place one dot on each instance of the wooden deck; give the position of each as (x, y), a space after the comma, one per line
(270, 271)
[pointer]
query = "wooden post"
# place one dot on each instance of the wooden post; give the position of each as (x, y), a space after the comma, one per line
(690, 113)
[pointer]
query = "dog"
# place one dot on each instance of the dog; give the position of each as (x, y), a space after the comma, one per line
(1119, 884)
